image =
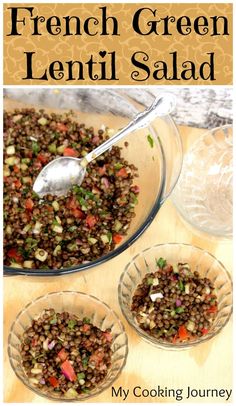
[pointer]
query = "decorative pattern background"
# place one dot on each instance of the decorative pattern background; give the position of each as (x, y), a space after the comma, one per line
(49, 48)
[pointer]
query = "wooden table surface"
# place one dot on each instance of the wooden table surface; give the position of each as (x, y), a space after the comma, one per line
(207, 366)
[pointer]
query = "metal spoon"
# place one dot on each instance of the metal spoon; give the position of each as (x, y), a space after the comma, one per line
(59, 175)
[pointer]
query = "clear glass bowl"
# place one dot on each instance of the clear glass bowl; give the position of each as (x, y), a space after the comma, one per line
(198, 259)
(158, 165)
(82, 305)
(204, 193)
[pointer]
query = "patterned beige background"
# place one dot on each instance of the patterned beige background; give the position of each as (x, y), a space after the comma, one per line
(64, 48)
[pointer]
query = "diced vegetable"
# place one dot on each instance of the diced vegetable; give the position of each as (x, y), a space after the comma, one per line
(37, 227)
(57, 228)
(122, 173)
(15, 254)
(91, 220)
(70, 152)
(42, 121)
(155, 296)
(11, 150)
(161, 263)
(117, 225)
(183, 334)
(81, 375)
(212, 309)
(92, 240)
(57, 250)
(179, 310)
(52, 148)
(41, 254)
(150, 281)
(190, 326)
(71, 394)
(62, 127)
(71, 324)
(68, 371)
(53, 381)
(28, 264)
(8, 229)
(181, 285)
(187, 288)
(60, 149)
(55, 205)
(29, 204)
(10, 161)
(62, 354)
(117, 238)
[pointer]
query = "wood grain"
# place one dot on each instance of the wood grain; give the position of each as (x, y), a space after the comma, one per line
(206, 366)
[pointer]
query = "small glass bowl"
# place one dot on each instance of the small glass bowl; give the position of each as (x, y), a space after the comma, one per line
(82, 305)
(204, 192)
(199, 260)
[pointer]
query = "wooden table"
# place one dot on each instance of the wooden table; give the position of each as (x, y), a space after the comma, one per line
(207, 366)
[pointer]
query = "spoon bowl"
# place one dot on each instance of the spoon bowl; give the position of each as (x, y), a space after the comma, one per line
(62, 173)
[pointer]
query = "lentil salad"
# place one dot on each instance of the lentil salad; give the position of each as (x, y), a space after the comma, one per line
(174, 303)
(64, 355)
(59, 232)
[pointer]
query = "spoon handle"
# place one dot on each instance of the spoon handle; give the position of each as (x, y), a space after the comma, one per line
(162, 105)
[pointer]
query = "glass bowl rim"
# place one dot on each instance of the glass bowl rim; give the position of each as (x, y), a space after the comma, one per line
(150, 339)
(11, 271)
(86, 396)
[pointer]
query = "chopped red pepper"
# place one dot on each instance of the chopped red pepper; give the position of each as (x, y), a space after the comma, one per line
(205, 331)
(14, 253)
(212, 309)
(77, 213)
(183, 333)
(71, 203)
(38, 164)
(85, 328)
(70, 152)
(91, 220)
(62, 127)
(29, 204)
(17, 184)
(122, 173)
(62, 354)
(42, 158)
(53, 381)
(16, 168)
(117, 238)
(68, 371)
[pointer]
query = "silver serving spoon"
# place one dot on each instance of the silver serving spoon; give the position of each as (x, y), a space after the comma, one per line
(59, 175)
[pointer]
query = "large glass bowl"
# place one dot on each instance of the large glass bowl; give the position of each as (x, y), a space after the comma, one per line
(199, 260)
(82, 305)
(159, 164)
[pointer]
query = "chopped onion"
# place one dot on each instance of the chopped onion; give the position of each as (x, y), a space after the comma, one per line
(190, 326)
(42, 381)
(178, 302)
(45, 344)
(155, 296)
(51, 345)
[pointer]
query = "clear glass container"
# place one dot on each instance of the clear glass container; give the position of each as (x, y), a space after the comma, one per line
(199, 260)
(82, 305)
(159, 164)
(204, 193)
